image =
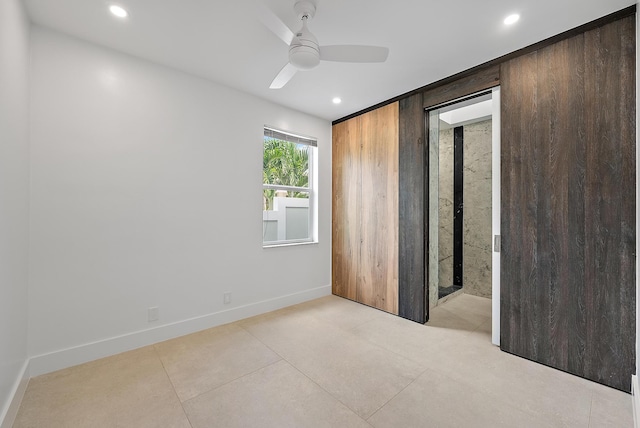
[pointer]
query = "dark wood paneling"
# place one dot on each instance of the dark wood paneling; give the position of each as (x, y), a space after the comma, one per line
(378, 282)
(519, 164)
(568, 205)
(626, 123)
(482, 79)
(610, 242)
(413, 303)
(345, 231)
(556, 128)
(572, 124)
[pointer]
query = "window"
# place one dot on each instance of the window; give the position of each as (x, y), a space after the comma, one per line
(288, 210)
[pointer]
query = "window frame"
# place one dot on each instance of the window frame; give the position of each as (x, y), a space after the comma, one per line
(282, 135)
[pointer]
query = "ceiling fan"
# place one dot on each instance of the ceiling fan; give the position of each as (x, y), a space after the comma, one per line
(304, 51)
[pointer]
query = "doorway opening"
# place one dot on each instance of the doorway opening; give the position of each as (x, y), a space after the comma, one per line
(464, 204)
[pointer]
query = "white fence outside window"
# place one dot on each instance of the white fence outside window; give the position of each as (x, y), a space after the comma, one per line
(288, 221)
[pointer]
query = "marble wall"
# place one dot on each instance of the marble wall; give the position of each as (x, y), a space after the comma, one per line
(445, 209)
(434, 185)
(477, 209)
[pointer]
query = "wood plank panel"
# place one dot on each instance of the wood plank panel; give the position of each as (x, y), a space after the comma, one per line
(573, 267)
(568, 205)
(558, 127)
(509, 165)
(345, 232)
(486, 78)
(626, 123)
(519, 200)
(610, 291)
(412, 293)
(378, 282)
(541, 294)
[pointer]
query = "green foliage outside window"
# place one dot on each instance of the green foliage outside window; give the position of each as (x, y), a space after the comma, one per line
(286, 164)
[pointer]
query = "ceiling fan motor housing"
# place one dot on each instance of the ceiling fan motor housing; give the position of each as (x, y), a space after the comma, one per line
(304, 52)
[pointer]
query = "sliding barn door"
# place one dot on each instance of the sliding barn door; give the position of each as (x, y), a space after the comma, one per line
(568, 205)
(346, 224)
(365, 209)
(378, 286)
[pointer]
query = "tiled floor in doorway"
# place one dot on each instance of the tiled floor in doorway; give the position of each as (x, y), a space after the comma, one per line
(325, 363)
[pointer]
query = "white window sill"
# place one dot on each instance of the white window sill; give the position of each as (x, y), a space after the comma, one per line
(290, 244)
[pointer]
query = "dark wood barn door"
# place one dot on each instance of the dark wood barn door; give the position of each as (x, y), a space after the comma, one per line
(568, 205)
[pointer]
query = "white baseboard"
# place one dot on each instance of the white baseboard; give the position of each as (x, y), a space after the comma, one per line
(635, 396)
(64, 358)
(10, 410)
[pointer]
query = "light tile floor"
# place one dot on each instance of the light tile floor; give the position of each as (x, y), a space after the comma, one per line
(325, 363)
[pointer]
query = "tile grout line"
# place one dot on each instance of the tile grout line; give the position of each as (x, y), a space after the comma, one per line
(212, 389)
(351, 332)
(453, 313)
(489, 321)
(327, 392)
(393, 350)
(222, 384)
(233, 380)
(540, 413)
(155, 350)
(530, 412)
(395, 395)
(306, 376)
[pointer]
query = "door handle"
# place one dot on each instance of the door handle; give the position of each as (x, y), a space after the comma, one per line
(496, 243)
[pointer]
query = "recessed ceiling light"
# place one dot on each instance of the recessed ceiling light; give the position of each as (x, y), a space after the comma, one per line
(511, 19)
(118, 11)
(337, 100)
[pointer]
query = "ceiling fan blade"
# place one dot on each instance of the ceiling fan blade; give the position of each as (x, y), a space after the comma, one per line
(353, 53)
(283, 77)
(273, 23)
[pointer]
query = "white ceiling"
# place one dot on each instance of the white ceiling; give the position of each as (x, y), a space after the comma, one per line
(224, 40)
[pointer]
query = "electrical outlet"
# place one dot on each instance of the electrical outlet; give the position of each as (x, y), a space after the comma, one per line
(153, 314)
(227, 298)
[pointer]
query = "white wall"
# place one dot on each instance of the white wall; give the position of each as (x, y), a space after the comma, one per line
(129, 161)
(14, 187)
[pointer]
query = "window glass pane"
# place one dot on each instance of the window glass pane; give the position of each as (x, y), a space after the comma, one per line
(288, 212)
(287, 216)
(285, 163)
(297, 222)
(269, 230)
